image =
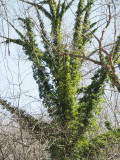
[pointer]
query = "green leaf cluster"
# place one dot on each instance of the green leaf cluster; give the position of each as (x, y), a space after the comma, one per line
(58, 76)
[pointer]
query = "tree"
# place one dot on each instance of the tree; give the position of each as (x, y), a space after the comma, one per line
(56, 69)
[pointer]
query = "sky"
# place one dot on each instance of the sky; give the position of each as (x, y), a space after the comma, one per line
(16, 81)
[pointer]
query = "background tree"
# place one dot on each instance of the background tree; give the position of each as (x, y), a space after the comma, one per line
(57, 71)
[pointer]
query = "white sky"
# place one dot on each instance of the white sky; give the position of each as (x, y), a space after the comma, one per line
(16, 80)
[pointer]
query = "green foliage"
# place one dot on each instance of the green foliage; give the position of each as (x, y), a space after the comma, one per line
(27, 122)
(96, 147)
(108, 125)
(58, 78)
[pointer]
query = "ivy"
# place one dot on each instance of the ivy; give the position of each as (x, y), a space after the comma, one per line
(58, 78)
